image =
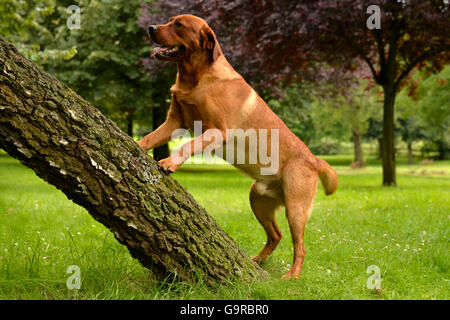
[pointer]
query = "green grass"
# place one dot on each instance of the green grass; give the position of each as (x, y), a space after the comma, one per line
(403, 231)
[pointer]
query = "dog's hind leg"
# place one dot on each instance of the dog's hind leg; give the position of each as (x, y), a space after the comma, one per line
(300, 188)
(264, 208)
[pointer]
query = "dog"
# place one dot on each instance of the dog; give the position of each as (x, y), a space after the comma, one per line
(209, 90)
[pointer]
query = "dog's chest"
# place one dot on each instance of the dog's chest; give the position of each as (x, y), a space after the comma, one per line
(189, 109)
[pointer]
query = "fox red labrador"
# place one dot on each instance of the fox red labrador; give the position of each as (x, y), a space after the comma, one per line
(209, 90)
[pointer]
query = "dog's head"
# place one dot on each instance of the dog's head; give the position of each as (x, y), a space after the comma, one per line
(183, 36)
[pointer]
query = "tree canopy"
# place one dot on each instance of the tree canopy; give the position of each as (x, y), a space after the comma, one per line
(274, 42)
(100, 59)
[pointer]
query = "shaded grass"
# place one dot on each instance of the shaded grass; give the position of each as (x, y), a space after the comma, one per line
(403, 230)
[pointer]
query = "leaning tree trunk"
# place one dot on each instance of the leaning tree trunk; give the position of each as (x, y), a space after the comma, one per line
(71, 145)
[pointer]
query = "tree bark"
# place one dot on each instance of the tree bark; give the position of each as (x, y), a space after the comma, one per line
(387, 145)
(71, 145)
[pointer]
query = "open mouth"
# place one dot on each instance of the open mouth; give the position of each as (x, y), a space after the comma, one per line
(168, 51)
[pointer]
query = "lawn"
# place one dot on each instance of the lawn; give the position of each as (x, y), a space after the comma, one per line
(403, 231)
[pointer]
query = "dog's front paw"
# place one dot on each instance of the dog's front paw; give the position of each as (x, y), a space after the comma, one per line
(168, 165)
(142, 144)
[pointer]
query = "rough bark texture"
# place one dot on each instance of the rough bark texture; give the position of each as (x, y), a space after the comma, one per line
(70, 144)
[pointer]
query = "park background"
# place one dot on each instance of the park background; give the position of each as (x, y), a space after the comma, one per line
(318, 66)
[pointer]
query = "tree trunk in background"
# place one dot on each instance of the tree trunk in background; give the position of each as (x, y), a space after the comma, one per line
(443, 149)
(387, 145)
(410, 153)
(71, 145)
(130, 119)
(159, 113)
(358, 156)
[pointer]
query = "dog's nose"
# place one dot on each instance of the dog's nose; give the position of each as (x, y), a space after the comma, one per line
(152, 29)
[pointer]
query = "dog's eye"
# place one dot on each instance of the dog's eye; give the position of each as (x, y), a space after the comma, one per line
(178, 24)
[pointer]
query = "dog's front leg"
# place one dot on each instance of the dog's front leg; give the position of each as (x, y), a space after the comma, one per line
(160, 136)
(211, 139)
(163, 133)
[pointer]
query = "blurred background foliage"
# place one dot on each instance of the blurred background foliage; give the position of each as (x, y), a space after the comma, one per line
(100, 60)
(107, 62)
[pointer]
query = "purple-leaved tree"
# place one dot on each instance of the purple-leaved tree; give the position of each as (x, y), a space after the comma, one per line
(274, 42)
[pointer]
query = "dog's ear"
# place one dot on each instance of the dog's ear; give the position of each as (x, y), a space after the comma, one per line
(209, 42)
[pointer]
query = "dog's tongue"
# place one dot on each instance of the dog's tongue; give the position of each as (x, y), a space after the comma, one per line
(156, 50)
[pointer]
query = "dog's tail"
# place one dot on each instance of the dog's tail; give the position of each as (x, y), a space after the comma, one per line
(327, 176)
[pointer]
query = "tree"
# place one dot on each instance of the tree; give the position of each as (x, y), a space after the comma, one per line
(434, 99)
(29, 26)
(346, 114)
(100, 59)
(361, 105)
(295, 110)
(424, 111)
(411, 35)
(375, 132)
(70, 144)
(271, 41)
(410, 131)
(102, 54)
(257, 41)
